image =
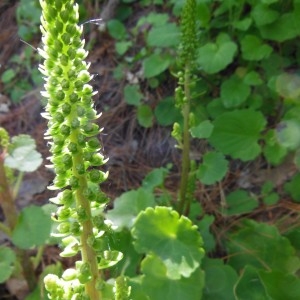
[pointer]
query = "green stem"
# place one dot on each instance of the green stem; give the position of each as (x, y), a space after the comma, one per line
(18, 184)
(6, 198)
(185, 165)
(5, 229)
(11, 217)
(87, 252)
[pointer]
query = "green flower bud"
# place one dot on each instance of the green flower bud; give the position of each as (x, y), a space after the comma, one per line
(82, 215)
(63, 213)
(60, 181)
(65, 130)
(66, 38)
(87, 89)
(85, 273)
(49, 64)
(94, 143)
(59, 26)
(75, 228)
(64, 227)
(66, 109)
(96, 176)
(75, 123)
(64, 16)
(59, 117)
(80, 168)
(60, 95)
(74, 97)
(81, 139)
(58, 71)
(101, 198)
(74, 182)
(67, 161)
(79, 85)
(72, 53)
(87, 156)
(80, 111)
(97, 160)
(58, 4)
(91, 192)
(84, 76)
(72, 147)
(58, 45)
(71, 29)
(72, 74)
(60, 170)
(69, 274)
(67, 197)
(98, 222)
(91, 129)
(64, 60)
(65, 84)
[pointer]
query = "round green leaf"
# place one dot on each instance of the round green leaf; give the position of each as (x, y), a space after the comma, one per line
(132, 94)
(155, 64)
(145, 115)
(264, 15)
(166, 112)
(22, 155)
(280, 285)
(173, 238)
(7, 261)
(292, 187)
(166, 35)
(288, 85)
(277, 31)
(8, 75)
(214, 57)
(253, 78)
(254, 49)
(234, 92)
(122, 47)
(213, 168)
(236, 133)
(216, 271)
(203, 130)
(255, 290)
(128, 206)
(32, 229)
(116, 29)
(262, 246)
(157, 285)
(239, 202)
(288, 134)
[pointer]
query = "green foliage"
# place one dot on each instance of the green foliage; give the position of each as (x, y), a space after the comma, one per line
(29, 228)
(22, 155)
(28, 19)
(239, 202)
(236, 133)
(7, 262)
(236, 63)
(213, 168)
(20, 75)
(214, 57)
(33, 223)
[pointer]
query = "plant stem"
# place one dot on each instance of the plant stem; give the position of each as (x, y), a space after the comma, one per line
(6, 198)
(11, 216)
(185, 165)
(87, 252)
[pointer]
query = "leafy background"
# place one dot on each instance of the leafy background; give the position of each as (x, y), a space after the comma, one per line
(245, 130)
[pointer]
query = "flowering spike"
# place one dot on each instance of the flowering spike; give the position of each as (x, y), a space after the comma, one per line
(73, 139)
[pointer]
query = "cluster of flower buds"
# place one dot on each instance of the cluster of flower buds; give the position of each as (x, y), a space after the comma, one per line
(72, 134)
